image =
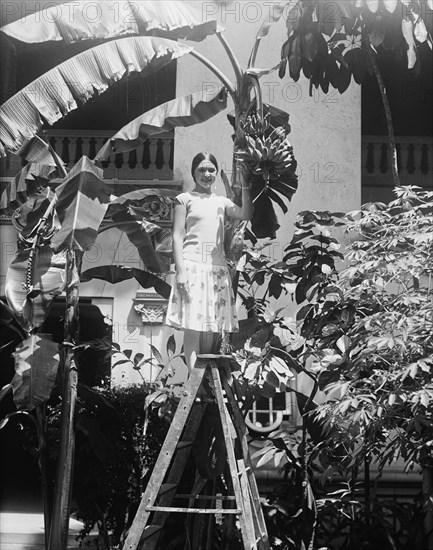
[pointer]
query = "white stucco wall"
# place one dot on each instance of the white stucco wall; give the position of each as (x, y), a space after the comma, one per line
(326, 129)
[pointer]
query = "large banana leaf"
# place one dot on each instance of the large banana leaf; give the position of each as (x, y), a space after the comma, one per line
(34, 277)
(55, 93)
(48, 282)
(27, 217)
(81, 20)
(83, 199)
(38, 151)
(141, 224)
(43, 165)
(118, 273)
(36, 363)
(139, 232)
(23, 184)
(185, 111)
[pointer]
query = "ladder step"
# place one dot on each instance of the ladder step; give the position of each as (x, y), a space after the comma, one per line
(207, 497)
(193, 510)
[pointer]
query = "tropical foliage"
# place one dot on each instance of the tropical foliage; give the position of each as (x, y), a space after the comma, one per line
(363, 335)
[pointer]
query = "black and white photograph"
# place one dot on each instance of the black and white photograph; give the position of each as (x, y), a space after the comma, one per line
(216, 276)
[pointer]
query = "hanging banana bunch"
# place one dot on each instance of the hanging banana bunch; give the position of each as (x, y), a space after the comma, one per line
(268, 155)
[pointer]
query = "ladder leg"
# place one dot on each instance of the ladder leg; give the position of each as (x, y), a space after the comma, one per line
(242, 497)
(176, 470)
(240, 427)
(164, 459)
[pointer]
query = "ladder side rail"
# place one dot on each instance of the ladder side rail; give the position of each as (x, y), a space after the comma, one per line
(240, 428)
(245, 518)
(163, 462)
(175, 472)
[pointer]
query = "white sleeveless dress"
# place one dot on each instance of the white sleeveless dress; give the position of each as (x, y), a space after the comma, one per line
(210, 305)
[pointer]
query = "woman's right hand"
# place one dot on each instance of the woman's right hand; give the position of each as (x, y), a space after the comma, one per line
(181, 283)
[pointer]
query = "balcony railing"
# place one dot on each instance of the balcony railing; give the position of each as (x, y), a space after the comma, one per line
(152, 160)
(414, 161)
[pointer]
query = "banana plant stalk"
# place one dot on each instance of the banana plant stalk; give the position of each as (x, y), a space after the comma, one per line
(69, 379)
(41, 423)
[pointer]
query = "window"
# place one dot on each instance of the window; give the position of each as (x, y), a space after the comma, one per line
(266, 415)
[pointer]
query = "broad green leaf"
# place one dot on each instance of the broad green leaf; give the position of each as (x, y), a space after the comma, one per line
(48, 282)
(171, 346)
(118, 273)
(140, 224)
(156, 353)
(267, 457)
(23, 185)
(5, 390)
(27, 217)
(83, 199)
(180, 112)
(36, 363)
(77, 21)
(90, 73)
(343, 343)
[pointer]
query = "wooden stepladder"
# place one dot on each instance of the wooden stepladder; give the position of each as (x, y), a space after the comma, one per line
(158, 499)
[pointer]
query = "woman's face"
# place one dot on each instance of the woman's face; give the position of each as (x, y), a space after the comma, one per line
(205, 174)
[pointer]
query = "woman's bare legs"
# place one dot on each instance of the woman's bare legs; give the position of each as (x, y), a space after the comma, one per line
(195, 342)
(206, 342)
(191, 346)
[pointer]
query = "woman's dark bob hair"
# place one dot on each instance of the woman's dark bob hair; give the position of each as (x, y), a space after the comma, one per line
(199, 158)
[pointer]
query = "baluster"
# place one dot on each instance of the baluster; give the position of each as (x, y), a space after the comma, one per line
(65, 151)
(105, 163)
(85, 146)
(370, 166)
(159, 157)
(153, 148)
(383, 164)
(145, 158)
(166, 154)
(132, 159)
(410, 163)
(118, 160)
(92, 148)
(52, 141)
(78, 149)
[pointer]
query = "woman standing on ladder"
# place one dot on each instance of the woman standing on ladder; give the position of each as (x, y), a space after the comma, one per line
(202, 301)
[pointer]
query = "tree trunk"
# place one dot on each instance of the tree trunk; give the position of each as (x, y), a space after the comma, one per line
(388, 115)
(41, 422)
(68, 371)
